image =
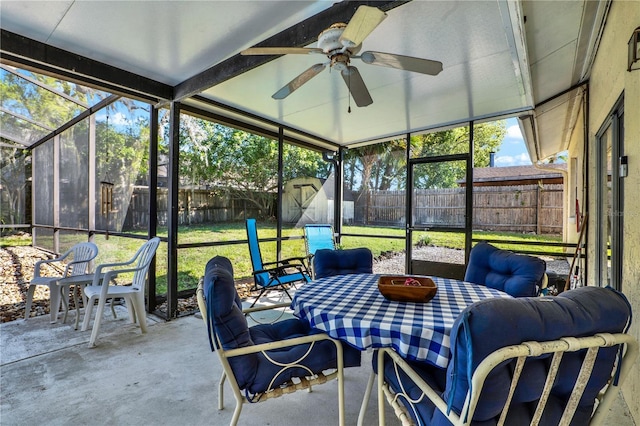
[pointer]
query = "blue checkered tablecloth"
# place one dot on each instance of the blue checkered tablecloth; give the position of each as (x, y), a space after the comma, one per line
(350, 308)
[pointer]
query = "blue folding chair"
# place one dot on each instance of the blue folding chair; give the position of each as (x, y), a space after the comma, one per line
(317, 236)
(273, 275)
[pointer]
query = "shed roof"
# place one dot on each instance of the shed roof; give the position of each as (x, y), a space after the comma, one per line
(495, 174)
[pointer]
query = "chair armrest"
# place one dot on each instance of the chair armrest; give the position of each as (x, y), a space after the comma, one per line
(107, 276)
(289, 261)
(300, 259)
(36, 267)
(266, 308)
(284, 344)
(280, 270)
(427, 391)
(112, 265)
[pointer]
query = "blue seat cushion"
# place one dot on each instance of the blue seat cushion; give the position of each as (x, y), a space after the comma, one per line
(481, 329)
(254, 372)
(327, 263)
(516, 274)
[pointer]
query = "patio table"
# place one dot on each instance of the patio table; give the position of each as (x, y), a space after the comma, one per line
(350, 308)
(64, 285)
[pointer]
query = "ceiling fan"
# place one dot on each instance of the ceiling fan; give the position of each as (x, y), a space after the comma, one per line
(341, 43)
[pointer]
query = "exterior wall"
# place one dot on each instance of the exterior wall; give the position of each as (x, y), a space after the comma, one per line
(609, 79)
(574, 183)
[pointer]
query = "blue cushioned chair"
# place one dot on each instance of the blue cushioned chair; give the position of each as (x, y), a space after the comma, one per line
(273, 275)
(503, 357)
(327, 263)
(261, 360)
(516, 274)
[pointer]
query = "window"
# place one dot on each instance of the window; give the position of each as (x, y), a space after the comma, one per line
(609, 200)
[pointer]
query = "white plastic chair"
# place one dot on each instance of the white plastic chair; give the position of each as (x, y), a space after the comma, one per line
(77, 263)
(101, 288)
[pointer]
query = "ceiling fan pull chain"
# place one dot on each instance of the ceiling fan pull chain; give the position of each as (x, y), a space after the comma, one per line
(349, 90)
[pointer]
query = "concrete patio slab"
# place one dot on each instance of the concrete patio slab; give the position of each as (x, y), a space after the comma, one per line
(169, 375)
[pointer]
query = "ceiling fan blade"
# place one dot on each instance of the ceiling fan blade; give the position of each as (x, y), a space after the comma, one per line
(356, 86)
(299, 81)
(408, 63)
(365, 20)
(280, 50)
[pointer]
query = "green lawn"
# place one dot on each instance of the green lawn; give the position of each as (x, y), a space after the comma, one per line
(192, 261)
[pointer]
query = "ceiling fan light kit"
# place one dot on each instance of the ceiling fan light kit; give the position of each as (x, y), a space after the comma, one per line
(341, 43)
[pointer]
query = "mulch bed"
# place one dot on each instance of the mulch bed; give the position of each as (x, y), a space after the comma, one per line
(16, 270)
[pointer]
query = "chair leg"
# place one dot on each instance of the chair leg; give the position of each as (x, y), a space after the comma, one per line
(236, 414)
(87, 313)
(54, 304)
(221, 390)
(381, 397)
(131, 308)
(285, 290)
(96, 323)
(112, 305)
(238, 409)
(139, 310)
(76, 304)
(64, 296)
(365, 399)
(27, 306)
(264, 290)
(75, 327)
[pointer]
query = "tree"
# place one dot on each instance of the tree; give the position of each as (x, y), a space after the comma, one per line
(13, 171)
(240, 164)
(44, 107)
(487, 138)
(382, 166)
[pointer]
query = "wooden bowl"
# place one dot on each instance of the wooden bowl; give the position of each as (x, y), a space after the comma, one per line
(394, 287)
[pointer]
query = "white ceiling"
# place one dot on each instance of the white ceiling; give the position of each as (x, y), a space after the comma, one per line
(494, 62)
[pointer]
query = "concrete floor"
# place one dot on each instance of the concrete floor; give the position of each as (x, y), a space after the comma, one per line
(167, 376)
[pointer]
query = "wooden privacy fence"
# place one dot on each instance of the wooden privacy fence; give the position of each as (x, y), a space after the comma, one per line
(524, 208)
(195, 206)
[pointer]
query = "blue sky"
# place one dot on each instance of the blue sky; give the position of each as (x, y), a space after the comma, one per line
(512, 152)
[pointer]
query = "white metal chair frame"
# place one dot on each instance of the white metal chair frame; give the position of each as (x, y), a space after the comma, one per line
(290, 387)
(521, 352)
(81, 254)
(101, 288)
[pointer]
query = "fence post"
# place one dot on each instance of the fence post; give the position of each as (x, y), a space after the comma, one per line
(538, 208)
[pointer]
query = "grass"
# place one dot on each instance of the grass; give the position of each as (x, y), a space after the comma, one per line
(14, 240)
(192, 261)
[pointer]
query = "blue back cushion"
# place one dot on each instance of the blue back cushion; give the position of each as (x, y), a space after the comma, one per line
(254, 372)
(224, 313)
(327, 263)
(516, 274)
(481, 329)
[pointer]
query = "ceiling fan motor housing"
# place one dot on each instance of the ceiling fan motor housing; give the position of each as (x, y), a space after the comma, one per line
(329, 42)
